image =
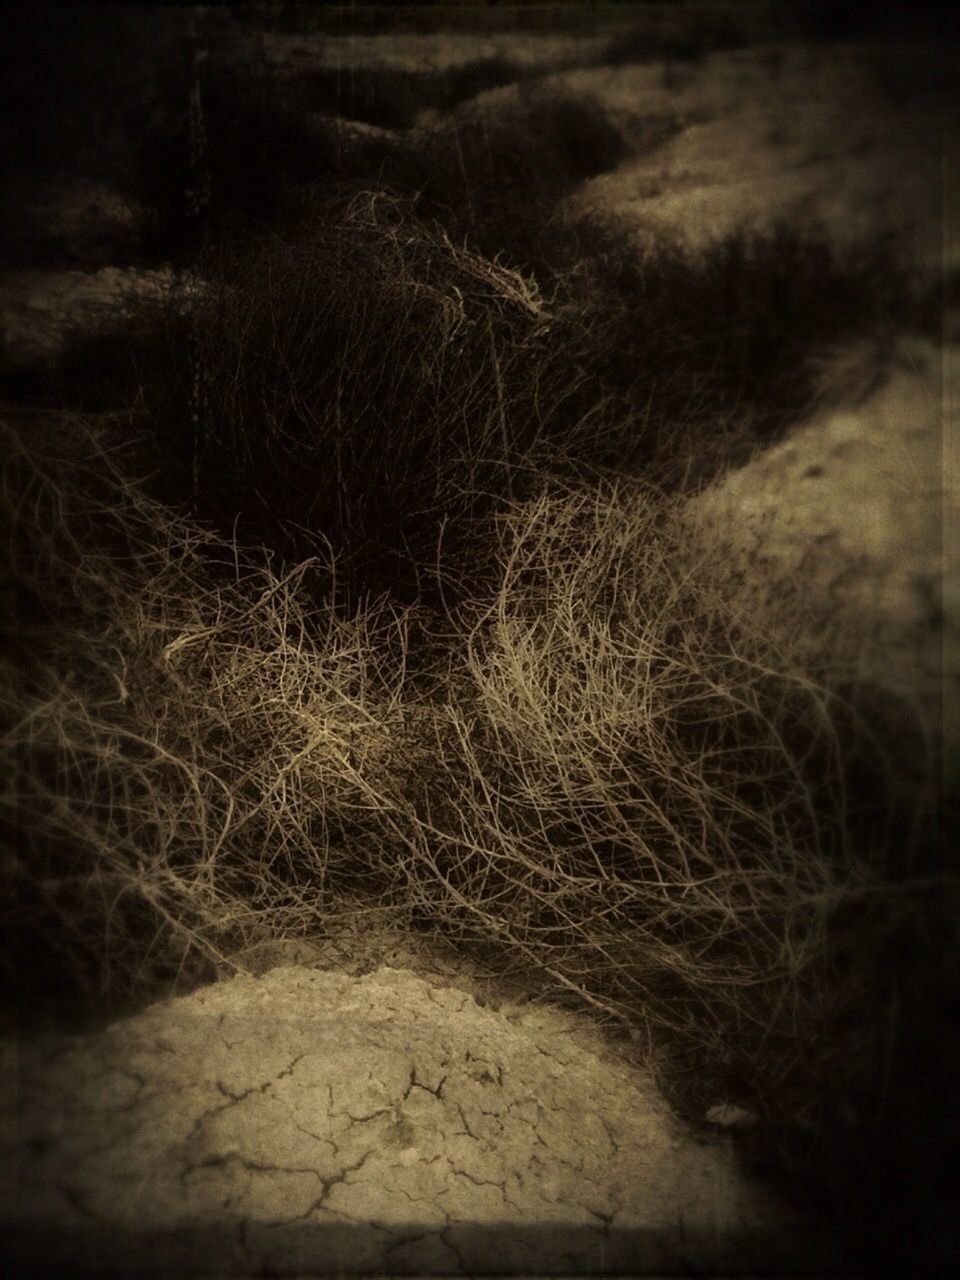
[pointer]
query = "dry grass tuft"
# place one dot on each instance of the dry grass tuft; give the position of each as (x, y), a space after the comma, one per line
(364, 378)
(182, 724)
(655, 795)
(646, 778)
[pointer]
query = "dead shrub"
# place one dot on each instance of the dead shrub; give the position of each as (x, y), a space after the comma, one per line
(657, 795)
(649, 792)
(364, 381)
(181, 726)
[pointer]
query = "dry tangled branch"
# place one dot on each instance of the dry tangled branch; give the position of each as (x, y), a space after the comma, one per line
(657, 795)
(649, 791)
(364, 377)
(180, 725)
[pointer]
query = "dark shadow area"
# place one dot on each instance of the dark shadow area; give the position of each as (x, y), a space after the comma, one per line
(70, 74)
(466, 1248)
(394, 99)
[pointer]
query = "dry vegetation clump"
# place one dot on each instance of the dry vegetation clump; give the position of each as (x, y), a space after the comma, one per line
(363, 380)
(497, 172)
(640, 739)
(646, 789)
(181, 725)
(724, 346)
(656, 797)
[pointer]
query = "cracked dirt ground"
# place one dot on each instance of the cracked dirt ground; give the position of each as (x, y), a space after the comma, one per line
(315, 1122)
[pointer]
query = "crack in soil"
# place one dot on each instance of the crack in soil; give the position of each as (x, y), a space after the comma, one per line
(327, 1183)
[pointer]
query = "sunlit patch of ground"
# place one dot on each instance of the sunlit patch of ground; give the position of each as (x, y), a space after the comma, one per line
(806, 136)
(861, 505)
(310, 1121)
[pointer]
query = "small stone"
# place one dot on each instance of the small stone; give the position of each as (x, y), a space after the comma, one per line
(732, 1118)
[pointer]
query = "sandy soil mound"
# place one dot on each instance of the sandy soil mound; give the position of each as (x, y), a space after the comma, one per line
(810, 136)
(862, 505)
(39, 309)
(315, 1122)
(77, 220)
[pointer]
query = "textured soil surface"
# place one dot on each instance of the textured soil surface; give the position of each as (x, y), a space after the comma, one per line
(812, 137)
(310, 1121)
(861, 505)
